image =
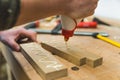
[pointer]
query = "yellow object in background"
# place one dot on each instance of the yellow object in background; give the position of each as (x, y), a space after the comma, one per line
(50, 18)
(117, 44)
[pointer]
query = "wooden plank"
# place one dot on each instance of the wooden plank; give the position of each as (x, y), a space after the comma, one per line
(92, 60)
(68, 55)
(43, 61)
(73, 54)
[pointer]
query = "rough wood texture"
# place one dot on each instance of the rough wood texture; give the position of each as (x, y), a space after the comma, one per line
(44, 62)
(73, 54)
(68, 55)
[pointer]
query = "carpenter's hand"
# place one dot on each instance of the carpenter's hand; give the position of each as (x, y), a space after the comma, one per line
(11, 36)
(46, 8)
(80, 8)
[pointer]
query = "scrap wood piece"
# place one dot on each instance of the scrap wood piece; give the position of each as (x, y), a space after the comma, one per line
(70, 56)
(74, 54)
(43, 61)
(92, 60)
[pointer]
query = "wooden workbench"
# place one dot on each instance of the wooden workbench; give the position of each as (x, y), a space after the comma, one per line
(109, 70)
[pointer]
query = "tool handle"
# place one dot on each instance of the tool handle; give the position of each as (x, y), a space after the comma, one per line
(117, 44)
(87, 25)
(97, 35)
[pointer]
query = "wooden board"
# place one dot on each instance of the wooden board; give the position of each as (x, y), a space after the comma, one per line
(68, 55)
(73, 54)
(43, 61)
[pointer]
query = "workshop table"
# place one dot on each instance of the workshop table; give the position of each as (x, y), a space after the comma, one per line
(109, 70)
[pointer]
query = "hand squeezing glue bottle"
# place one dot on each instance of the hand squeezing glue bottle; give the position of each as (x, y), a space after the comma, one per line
(68, 26)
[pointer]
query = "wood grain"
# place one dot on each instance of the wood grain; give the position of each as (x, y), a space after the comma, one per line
(43, 61)
(73, 54)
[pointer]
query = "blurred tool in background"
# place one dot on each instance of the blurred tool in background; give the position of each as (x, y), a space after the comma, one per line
(57, 30)
(92, 24)
(99, 36)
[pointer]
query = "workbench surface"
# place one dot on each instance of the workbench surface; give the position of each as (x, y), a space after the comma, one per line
(109, 70)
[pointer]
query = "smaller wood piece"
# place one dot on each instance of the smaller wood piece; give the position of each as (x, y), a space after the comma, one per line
(43, 61)
(64, 53)
(73, 54)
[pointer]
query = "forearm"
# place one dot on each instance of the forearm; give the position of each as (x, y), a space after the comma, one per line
(31, 10)
(36, 9)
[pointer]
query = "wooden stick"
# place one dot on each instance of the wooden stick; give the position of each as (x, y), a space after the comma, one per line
(43, 61)
(74, 54)
(64, 53)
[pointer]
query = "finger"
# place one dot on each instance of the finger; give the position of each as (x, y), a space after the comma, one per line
(33, 35)
(29, 34)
